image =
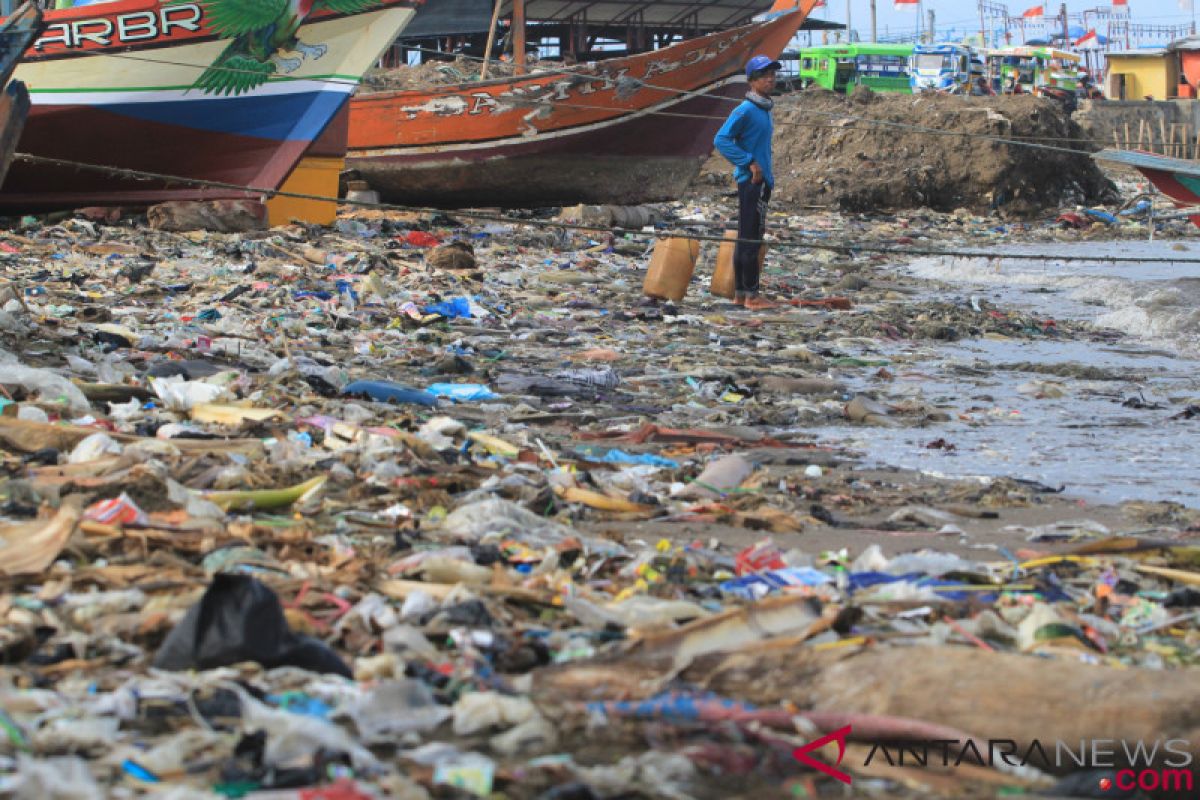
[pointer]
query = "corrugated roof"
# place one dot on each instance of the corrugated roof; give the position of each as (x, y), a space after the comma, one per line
(710, 15)
(1156, 52)
(458, 17)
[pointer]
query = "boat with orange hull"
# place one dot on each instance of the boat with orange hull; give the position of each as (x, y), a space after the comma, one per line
(628, 130)
(206, 90)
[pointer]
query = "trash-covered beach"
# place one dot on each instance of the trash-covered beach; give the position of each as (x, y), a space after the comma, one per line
(425, 505)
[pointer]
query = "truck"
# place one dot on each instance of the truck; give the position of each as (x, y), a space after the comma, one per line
(944, 68)
(844, 67)
(1043, 71)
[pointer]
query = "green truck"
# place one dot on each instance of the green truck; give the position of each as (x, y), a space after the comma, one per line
(1035, 70)
(842, 67)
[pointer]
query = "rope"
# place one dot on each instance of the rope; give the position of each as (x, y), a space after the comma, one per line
(1013, 140)
(846, 248)
(1036, 142)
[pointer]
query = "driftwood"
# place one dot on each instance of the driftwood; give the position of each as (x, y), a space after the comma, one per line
(28, 437)
(986, 694)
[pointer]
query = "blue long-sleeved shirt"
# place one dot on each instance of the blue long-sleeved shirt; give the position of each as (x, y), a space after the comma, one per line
(746, 137)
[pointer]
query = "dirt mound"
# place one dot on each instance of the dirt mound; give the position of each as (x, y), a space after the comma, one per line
(827, 154)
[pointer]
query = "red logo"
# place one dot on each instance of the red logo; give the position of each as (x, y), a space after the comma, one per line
(801, 754)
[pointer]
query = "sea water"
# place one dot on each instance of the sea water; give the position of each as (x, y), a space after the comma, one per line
(1092, 441)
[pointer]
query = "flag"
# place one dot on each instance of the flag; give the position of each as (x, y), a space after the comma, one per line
(908, 5)
(784, 6)
(1037, 12)
(1186, 5)
(1120, 5)
(1089, 41)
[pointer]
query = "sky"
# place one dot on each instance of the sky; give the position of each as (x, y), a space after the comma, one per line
(963, 14)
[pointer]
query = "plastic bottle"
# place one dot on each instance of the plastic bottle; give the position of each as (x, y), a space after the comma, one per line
(671, 269)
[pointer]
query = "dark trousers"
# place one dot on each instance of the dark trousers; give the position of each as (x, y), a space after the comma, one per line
(752, 224)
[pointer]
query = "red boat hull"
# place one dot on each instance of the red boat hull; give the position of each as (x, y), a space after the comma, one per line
(641, 159)
(626, 131)
(147, 146)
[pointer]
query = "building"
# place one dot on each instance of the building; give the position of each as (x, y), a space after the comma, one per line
(1143, 74)
(1187, 52)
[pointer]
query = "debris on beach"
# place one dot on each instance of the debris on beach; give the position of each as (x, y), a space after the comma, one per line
(361, 512)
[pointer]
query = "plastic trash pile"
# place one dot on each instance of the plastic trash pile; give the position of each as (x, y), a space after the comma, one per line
(298, 516)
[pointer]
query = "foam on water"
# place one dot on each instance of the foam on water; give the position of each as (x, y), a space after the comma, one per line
(1087, 440)
(1157, 303)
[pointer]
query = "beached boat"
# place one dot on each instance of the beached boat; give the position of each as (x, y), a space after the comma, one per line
(627, 130)
(221, 90)
(1177, 178)
(16, 34)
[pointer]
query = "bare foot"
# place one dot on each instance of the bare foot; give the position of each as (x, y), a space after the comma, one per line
(759, 304)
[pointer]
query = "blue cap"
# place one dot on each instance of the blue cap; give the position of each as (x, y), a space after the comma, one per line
(760, 63)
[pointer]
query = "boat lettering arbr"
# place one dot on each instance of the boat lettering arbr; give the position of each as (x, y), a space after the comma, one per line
(132, 28)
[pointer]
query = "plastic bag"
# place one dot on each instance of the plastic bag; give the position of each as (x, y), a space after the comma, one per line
(456, 308)
(181, 395)
(93, 447)
(49, 387)
(240, 619)
(388, 392)
(460, 392)
(394, 708)
(498, 518)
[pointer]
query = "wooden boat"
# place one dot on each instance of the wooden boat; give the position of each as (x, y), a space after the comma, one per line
(1177, 178)
(203, 89)
(16, 34)
(627, 130)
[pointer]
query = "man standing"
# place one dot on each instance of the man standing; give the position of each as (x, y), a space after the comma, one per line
(745, 140)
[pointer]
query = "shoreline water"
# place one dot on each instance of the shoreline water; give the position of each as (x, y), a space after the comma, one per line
(1085, 435)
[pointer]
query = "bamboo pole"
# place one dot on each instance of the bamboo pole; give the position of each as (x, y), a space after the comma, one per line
(1128, 137)
(1162, 135)
(518, 27)
(491, 40)
(1141, 131)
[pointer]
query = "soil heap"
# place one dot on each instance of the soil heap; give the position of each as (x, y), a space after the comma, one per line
(829, 152)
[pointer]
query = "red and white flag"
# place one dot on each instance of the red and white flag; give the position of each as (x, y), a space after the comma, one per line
(1120, 5)
(1037, 12)
(1089, 41)
(1186, 5)
(908, 5)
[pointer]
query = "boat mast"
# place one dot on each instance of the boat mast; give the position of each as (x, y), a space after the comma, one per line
(491, 40)
(518, 24)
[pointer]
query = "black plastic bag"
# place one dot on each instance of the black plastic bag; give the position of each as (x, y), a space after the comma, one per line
(240, 619)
